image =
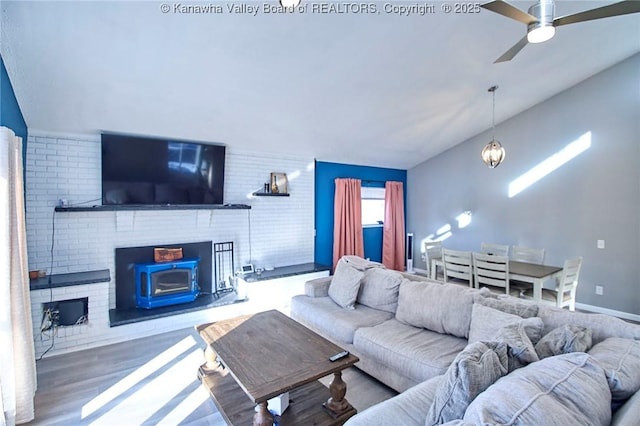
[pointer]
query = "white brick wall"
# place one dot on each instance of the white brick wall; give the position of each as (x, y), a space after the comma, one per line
(277, 231)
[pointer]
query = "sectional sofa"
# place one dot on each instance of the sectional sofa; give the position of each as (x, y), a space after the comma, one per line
(464, 356)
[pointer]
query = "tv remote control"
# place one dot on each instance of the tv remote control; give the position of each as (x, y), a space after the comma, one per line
(338, 356)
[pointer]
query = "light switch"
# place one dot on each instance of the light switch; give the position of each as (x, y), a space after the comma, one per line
(600, 244)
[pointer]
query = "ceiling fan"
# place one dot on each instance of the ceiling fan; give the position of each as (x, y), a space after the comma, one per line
(541, 23)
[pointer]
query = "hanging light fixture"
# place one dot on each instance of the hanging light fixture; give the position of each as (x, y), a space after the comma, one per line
(541, 30)
(493, 153)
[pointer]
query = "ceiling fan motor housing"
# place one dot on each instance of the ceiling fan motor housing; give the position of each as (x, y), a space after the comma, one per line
(542, 29)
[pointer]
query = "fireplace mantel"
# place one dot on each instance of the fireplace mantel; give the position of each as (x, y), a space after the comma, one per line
(122, 207)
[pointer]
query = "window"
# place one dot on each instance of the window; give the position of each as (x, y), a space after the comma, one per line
(372, 206)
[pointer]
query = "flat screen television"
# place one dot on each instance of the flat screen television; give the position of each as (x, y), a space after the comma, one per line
(148, 171)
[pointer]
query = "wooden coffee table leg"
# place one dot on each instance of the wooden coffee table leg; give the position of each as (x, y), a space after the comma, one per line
(211, 363)
(262, 417)
(338, 389)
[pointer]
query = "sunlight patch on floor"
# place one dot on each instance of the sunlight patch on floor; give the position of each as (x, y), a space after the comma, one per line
(152, 396)
(137, 376)
(185, 408)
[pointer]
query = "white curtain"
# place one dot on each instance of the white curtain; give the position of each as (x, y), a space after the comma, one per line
(17, 355)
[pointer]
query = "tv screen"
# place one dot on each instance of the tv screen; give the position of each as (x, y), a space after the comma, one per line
(148, 171)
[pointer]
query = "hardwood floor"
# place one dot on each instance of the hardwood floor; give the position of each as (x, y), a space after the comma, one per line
(148, 381)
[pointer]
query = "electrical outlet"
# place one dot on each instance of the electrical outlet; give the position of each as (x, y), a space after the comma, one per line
(600, 244)
(599, 290)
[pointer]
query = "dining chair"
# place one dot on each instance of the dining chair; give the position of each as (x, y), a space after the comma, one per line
(564, 294)
(492, 271)
(433, 258)
(495, 249)
(527, 254)
(457, 267)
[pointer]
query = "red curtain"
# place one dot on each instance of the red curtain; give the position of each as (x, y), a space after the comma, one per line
(393, 236)
(347, 221)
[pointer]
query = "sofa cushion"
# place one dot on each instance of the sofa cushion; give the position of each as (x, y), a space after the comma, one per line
(345, 284)
(620, 359)
(627, 414)
(445, 308)
(564, 340)
(477, 367)
(317, 287)
(601, 326)
(520, 350)
(407, 409)
(508, 304)
(486, 322)
(411, 351)
(322, 315)
(379, 289)
(544, 393)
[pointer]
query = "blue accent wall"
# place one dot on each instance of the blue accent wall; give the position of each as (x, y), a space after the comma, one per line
(326, 173)
(10, 114)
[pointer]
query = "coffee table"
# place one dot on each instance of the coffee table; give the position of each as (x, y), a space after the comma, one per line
(253, 358)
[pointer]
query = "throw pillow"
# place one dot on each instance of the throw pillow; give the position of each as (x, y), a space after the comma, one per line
(520, 350)
(477, 367)
(486, 322)
(345, 284)
(602, 326)
(564, 340)
(510, 305)
(620, 359)
(379, 289)
(360, 263)
(441, 308)
(568, 389)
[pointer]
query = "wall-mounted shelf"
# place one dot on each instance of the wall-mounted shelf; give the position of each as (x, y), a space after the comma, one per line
(120, 207)
(270, 194)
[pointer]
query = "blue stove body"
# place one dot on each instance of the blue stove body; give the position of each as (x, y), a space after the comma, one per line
(168, 283)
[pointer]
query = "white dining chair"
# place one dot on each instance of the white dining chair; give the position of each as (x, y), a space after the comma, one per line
(527, 254)
(564, 294)
(491, 271)
(433, 258)
(495, 249)
(457, 267)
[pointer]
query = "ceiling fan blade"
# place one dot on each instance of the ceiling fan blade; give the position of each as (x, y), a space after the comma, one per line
(615, 9)
(505, 9)
(509, 54)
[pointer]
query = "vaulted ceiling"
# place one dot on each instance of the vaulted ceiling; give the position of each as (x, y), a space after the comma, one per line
(377, 89)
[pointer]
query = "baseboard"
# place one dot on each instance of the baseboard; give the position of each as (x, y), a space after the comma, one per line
(612, 312)
(420, 271)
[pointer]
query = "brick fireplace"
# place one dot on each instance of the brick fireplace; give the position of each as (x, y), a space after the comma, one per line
(275, 231)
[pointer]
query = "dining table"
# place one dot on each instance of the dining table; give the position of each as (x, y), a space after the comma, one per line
(533, 273)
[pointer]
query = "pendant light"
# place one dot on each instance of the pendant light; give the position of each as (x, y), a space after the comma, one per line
(493, 153)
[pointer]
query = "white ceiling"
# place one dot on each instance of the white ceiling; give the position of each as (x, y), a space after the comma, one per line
(373, 89)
